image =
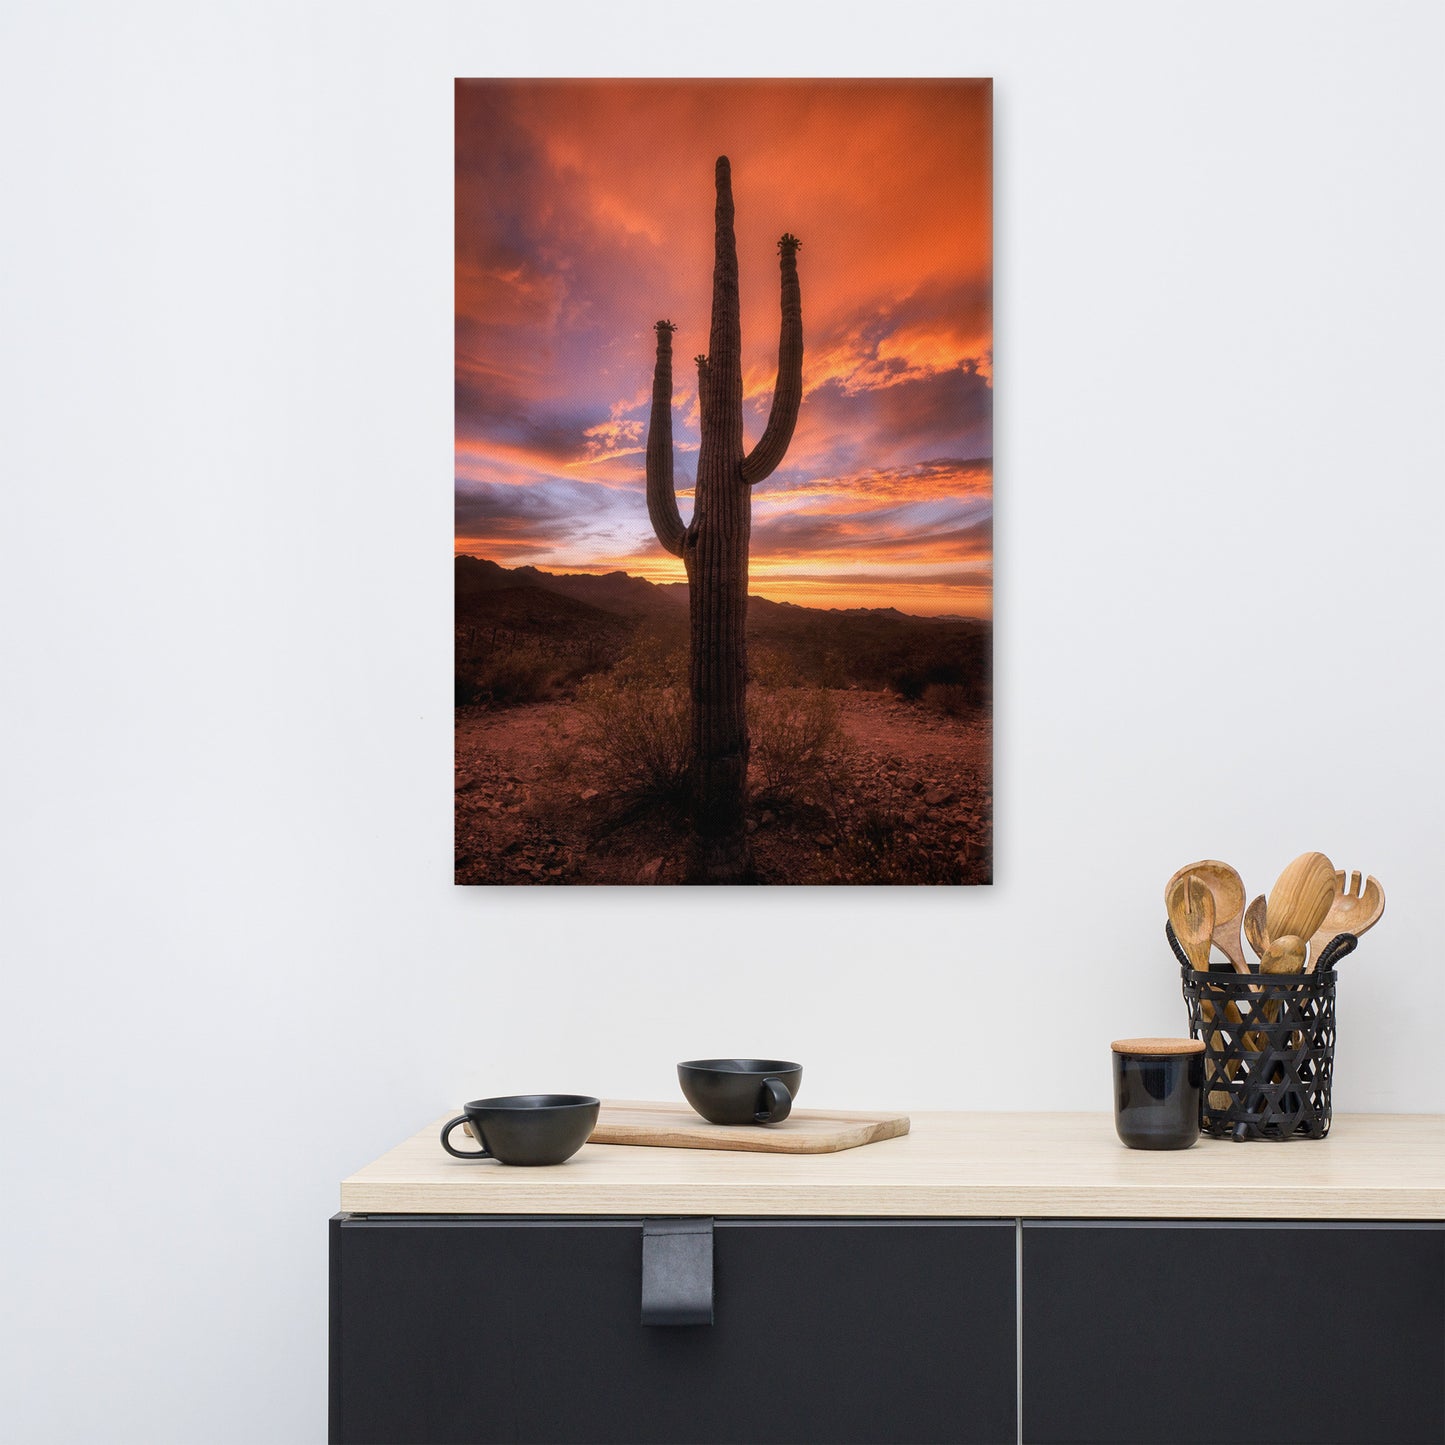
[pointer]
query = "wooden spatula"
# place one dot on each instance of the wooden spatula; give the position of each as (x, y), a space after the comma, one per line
(1255, 927)
(1301, 897)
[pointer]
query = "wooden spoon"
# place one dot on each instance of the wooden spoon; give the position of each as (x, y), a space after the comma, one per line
(1256, 928)
(1353, 909)
(1191, 911)
(1281, 955)
(1228, 890)
(1284, 955)
(1301, 898)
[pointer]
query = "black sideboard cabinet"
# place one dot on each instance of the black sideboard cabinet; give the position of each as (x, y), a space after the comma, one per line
(1218, 1332)
(465, 1329)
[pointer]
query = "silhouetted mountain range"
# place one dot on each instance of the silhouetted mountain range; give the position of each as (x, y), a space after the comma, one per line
(588, 621)
(629, 596)
(610, 592)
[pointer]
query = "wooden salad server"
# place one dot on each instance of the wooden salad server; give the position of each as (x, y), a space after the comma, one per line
(1355, 908)
(1228, 890)
(1191, 911)
(1190, 905)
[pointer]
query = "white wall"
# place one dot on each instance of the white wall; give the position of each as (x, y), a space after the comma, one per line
(236, 965)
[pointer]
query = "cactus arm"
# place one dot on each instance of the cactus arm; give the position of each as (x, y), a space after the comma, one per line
(788, 392)
(701, 389)
(661, 494)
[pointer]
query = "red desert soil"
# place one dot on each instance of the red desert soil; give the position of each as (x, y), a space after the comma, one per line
(911, 803)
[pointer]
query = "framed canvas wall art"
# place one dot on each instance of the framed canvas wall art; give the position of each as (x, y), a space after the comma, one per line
(724, 486)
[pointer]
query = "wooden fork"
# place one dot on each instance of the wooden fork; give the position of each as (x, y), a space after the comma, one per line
(1355, 908)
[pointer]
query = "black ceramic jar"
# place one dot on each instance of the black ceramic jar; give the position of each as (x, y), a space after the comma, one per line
(1158, 1085)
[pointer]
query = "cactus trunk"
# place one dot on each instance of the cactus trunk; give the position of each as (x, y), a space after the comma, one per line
(714, 546)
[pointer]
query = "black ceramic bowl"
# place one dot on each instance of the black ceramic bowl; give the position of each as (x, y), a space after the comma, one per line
(526, 1128)
(741, 1091)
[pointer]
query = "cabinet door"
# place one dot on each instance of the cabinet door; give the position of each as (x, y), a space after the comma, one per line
(484, 1329)
(1328, 1334)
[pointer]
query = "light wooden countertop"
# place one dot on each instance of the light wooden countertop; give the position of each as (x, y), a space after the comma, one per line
(1372, 1166)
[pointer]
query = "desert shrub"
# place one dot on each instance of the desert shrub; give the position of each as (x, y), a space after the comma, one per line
(877, 828)
(797, 737)
(949, 698)
(962, 687)
(521, 672)
(633, 732)
(633, 726)
(524, 674)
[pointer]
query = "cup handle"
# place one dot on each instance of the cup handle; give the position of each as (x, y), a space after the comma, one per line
(447, 1128)
(776, 1100)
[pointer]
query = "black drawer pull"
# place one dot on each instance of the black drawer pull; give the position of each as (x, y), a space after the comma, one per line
(677, 1272)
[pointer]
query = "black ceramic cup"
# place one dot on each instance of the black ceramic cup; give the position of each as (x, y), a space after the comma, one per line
(1158, 1085)
(741, 1091)
(526, 1128)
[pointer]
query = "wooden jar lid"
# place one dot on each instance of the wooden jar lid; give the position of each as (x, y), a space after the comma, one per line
(1158, 1048)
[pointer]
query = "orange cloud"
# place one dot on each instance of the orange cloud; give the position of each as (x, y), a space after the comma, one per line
(923, 481)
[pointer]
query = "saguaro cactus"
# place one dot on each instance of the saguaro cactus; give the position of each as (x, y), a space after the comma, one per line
(714, 545)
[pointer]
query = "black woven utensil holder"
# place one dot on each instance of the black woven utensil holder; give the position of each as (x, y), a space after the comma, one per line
(1269, 1047)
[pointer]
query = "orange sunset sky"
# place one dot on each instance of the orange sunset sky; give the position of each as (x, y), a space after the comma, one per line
(584, 214)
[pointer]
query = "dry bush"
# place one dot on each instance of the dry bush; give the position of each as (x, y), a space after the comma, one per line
(797, 738)
(633, 725)
(952, 699)
(634, 730)
(522, 674)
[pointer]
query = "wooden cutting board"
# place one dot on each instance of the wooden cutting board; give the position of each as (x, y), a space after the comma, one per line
(804, 1131)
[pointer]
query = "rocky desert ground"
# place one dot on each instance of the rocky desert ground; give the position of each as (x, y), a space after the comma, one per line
(906, 799)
